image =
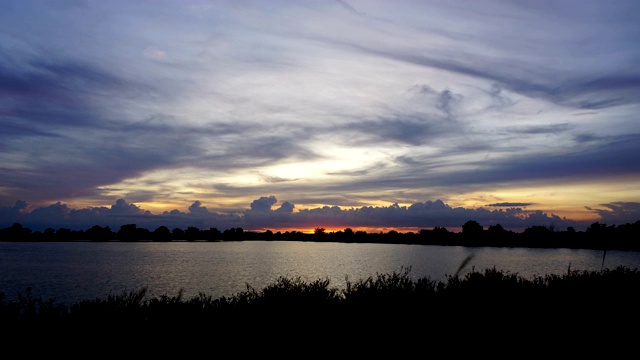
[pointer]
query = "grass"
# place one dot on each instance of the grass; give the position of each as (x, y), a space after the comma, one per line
(394, 297)
(488, 312)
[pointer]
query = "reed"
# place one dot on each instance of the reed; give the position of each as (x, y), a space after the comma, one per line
(376, 304)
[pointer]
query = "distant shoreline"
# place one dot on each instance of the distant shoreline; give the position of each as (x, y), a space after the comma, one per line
(596, 237)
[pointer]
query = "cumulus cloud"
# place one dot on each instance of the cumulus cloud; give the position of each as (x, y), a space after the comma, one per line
(197, 209)
(260, 216)
(286, 207)
(121, 207)
(264, 203)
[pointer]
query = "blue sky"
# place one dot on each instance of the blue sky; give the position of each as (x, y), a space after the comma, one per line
(302, 114)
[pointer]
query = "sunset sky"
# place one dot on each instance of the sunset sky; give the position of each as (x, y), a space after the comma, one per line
(279, 115)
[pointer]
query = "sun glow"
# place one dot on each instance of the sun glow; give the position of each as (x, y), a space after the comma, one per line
(564, 200)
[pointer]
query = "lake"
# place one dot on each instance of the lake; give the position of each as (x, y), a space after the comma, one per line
(73, 271)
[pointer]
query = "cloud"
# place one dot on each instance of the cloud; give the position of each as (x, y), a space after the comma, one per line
(121, 207)
(275, 179)
(264, 203)
(121, 100)
(286, 207)
(408, 130)
(619, 213)
(420, 215)
(510, 204)
(447, 102)
(197, 209)
(542, 129)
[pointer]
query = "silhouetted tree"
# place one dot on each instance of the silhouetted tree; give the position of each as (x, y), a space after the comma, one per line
(49, 234)
(597, 236)
(212, 234)
(17, 232)
(472, 230)
(233, 234)
(177, 234)
(128, 232)
(192, 233)
(162, 233)
(63, 234)
(98, 233)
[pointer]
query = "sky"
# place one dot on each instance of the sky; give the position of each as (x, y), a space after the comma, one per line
(293, 115)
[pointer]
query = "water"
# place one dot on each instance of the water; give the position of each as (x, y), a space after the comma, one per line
(73, 271)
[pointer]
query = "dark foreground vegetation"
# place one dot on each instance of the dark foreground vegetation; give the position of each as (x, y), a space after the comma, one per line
(596, 236)
(489, 304)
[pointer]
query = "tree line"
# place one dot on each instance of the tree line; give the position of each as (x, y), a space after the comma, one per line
(596, 236)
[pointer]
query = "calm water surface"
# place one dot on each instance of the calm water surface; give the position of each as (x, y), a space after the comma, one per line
(73, 271)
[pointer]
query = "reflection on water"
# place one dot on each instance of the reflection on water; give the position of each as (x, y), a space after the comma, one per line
(74, 271)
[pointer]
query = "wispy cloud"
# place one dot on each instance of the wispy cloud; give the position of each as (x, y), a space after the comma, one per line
(341, 103)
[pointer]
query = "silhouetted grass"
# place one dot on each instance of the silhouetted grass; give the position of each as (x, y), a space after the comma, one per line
(387, 306)
(483, 312)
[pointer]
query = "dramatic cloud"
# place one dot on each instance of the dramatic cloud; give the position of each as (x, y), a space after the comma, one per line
(339, 107)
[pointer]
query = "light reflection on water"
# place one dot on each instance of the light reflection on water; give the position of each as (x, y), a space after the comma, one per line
(75, 271)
